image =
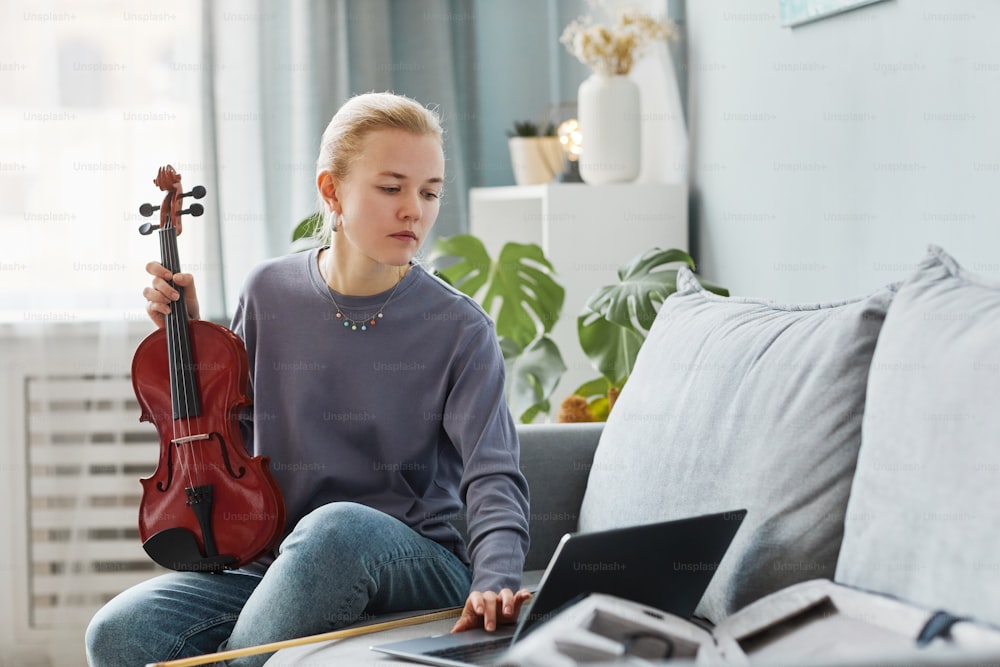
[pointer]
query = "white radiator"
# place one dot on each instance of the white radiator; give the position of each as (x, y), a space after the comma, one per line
(75, 451)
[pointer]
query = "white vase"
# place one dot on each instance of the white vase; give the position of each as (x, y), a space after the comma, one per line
(608, 111)
(535, 160)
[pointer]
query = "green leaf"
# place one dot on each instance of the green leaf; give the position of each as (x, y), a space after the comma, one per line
(611, 348)
(528, 128)
(596, 393)
(308, 227)
(306, 233)
(596, 387)
(441, 276)
(534, 374)
(521, 293)
(600, 408)
(472, 269)
(634, 302)
(509, 349)
(523, 297)
(617, 318)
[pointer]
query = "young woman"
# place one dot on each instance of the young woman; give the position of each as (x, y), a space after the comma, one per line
(378, 396)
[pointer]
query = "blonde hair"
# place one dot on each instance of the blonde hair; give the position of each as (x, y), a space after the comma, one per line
(354, 121)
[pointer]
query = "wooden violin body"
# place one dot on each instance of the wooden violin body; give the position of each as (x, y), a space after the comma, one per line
(209, 505)
(244, 515)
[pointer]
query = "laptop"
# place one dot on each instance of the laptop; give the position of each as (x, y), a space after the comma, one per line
(667, 565)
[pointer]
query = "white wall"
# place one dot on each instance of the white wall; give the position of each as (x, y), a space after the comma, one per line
(825, 158)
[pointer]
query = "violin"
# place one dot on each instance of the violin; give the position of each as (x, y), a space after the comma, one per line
(209, 506)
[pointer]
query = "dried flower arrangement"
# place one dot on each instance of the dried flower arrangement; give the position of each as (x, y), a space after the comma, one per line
(613, 50)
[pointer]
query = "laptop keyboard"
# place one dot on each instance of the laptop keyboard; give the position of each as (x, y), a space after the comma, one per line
(480, 653)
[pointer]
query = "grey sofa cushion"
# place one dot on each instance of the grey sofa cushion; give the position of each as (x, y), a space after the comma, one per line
(556, 460)
(923, 521)
(742, 403)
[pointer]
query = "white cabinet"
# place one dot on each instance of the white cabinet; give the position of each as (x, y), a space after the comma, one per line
(587, 232)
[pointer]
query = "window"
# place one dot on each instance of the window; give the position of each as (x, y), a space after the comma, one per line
(95, 97)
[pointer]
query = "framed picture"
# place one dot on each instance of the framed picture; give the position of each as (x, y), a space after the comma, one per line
(797, 12)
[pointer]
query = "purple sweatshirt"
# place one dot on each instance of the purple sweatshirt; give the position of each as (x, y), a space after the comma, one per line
(407, 417)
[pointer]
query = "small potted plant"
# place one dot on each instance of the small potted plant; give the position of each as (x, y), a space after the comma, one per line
(535, 153)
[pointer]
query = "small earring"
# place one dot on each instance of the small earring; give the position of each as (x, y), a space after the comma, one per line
(336, 222)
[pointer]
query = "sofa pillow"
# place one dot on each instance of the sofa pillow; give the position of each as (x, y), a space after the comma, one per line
(923, 522)
(742, 403)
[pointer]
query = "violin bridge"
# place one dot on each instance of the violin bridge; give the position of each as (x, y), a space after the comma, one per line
(191, 438)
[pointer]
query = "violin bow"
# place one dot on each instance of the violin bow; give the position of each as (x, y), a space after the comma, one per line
(451, 612)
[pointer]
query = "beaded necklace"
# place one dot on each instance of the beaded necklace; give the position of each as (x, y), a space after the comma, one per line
(362, 323)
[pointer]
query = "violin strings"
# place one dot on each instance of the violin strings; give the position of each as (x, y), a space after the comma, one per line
(189, 470)
(171, 360)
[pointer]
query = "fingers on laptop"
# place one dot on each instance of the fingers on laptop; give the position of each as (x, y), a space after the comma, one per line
(485, 609)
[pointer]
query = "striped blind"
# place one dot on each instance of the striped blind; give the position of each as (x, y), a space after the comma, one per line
(86, 451)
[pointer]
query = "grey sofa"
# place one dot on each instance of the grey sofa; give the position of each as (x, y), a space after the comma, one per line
(863, 438)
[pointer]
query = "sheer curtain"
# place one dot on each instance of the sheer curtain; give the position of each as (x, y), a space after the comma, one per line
(277, 74)
(94, 97)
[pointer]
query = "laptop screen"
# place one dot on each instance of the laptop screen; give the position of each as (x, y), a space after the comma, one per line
(667, 565)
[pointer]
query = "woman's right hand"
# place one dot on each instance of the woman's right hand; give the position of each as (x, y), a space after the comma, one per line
(160, 295)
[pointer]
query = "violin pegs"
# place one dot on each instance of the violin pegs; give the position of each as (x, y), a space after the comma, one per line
(147, 228)
(197, 192)
(146, 210)
(194, 209)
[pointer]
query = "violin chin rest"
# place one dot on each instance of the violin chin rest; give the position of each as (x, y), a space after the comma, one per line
(177, 549)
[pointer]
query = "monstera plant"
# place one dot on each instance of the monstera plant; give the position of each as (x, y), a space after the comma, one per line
(519, 290)
(616, 320)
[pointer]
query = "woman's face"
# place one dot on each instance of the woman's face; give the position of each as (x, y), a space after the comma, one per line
(391, 196)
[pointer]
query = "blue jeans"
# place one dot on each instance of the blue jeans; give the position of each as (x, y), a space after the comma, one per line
(341, 563)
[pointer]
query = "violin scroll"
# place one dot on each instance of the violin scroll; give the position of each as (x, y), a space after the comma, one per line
(170, 210)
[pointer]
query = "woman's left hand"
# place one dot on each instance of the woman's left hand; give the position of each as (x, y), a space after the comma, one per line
(486, 609)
